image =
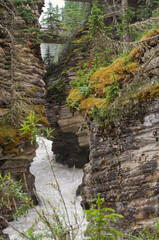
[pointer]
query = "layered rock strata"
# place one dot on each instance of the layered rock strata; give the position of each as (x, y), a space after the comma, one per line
(71, 141)
(70, 145)
(124, 158)
(123, 168)
(21, 77)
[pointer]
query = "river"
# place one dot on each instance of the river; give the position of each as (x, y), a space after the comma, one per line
(68, 179)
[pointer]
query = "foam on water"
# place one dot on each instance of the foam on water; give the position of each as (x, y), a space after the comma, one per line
(68, 180)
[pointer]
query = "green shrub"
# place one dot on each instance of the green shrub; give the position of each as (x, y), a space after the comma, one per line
(111, 91)
(13, 195)
(100, 221)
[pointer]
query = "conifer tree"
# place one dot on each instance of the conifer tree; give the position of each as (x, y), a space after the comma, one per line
(96, 20)
(48, 58)
(51, 18)
(75, 14)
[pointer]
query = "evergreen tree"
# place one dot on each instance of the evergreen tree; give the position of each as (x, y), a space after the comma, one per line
(48, 59)
(75, 14)
(51, 18)
(96, 20)
(146, 8)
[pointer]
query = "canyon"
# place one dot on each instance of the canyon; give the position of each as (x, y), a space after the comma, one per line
(120, 161)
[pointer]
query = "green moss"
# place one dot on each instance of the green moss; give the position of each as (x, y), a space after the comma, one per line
(76, 50)
(69, 58)
(59, 85)
(113, 94)
(9, 138)
(56, 98)
(73, 69)
(74, 99)
(88, 104)
(32, 90)
(104, 78)
(64, 74)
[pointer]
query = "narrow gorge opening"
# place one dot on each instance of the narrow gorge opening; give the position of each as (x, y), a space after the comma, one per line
(71, 146)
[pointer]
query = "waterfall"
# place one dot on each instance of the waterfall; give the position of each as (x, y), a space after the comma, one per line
(68, 180)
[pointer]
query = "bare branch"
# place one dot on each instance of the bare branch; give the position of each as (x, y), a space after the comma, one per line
(22, 234)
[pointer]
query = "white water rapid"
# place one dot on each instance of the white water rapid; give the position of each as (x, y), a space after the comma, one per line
(68, 180)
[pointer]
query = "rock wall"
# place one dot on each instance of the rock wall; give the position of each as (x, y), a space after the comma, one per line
(16, 154)
(124, 159)
(69, 146)
(125, 168)
(71, 142)
(28, 66)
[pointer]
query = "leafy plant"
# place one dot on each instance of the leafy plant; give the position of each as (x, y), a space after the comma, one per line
(146, 8)
(96, 63)
(75, 104)
(25, 12)
(30, 126)
(86, 90)
(101, 219)
(13, 195)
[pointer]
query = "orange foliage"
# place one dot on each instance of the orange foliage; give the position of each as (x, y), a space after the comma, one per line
(89, 103)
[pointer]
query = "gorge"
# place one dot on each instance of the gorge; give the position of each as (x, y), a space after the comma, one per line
(116, 142)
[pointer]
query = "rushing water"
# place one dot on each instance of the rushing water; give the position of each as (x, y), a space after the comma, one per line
(68, 180)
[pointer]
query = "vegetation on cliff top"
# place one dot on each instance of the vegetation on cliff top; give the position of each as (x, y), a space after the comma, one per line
(110, 93)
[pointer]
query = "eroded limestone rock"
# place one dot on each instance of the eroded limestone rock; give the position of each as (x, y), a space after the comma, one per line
(124, 167)
(28, 86)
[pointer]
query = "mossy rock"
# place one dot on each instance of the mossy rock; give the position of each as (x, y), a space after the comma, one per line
(88, 104)
(9, 138)
(148, 92)
(118, 71)
(121, 71)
